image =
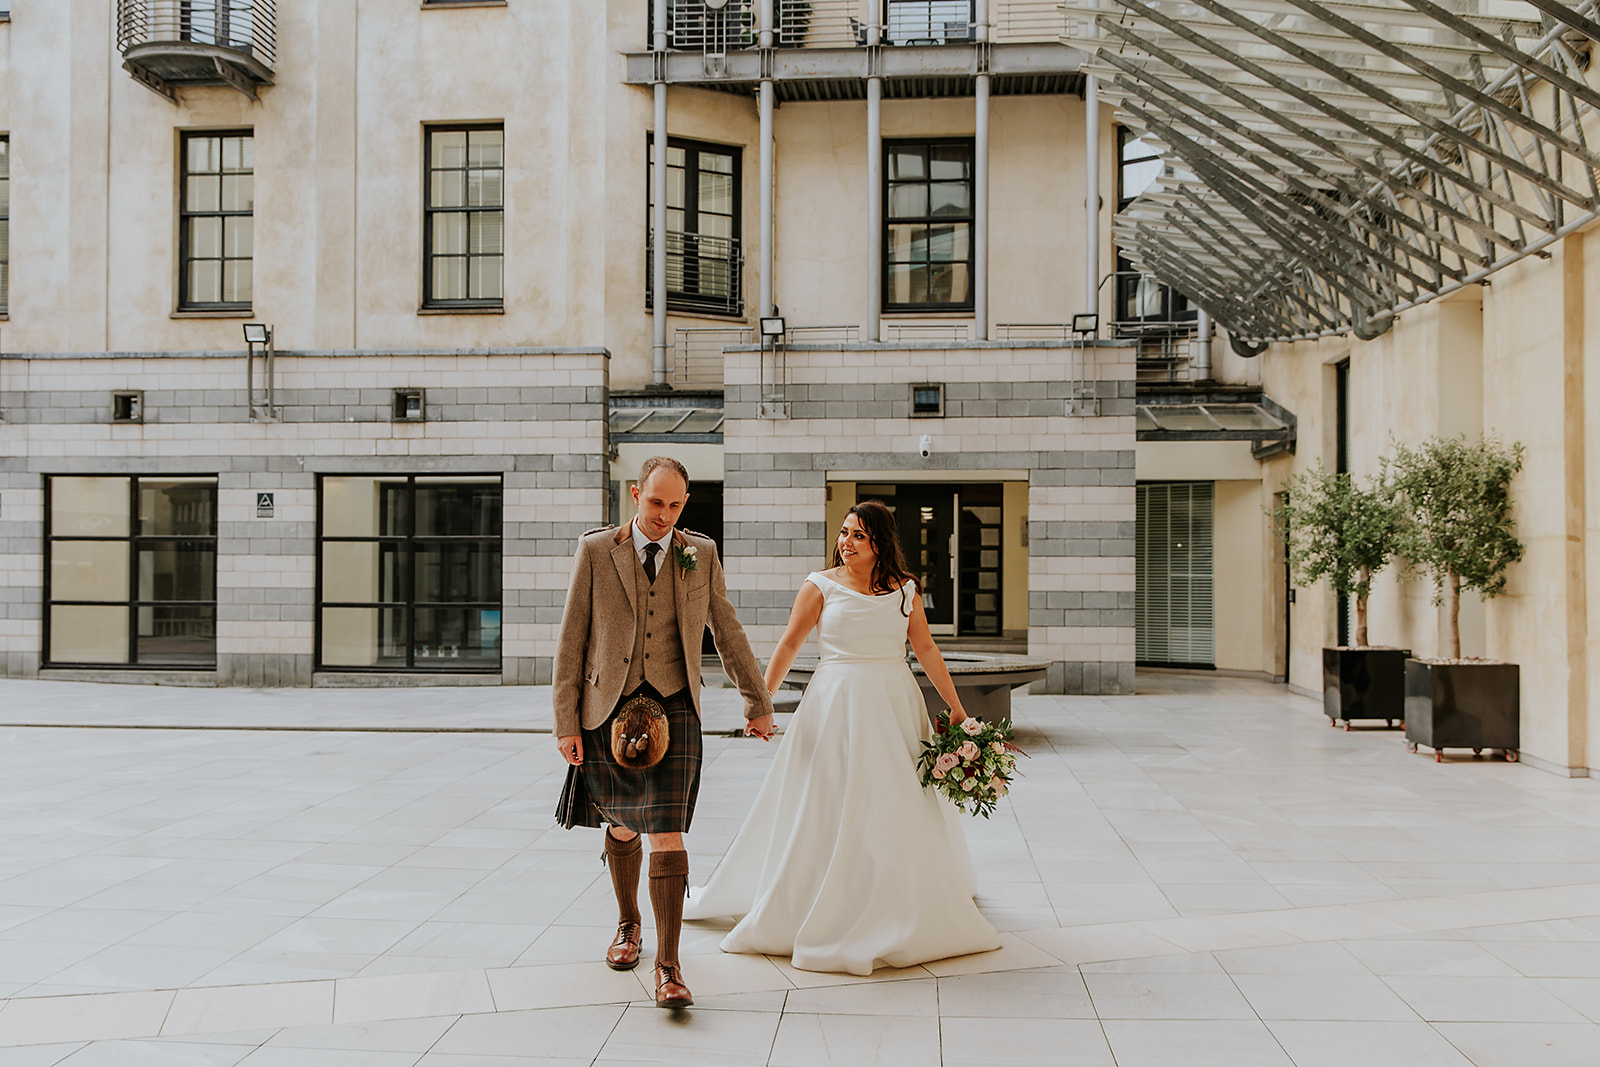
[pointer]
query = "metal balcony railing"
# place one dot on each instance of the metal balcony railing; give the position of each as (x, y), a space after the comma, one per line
(172, 44)
(697, 354)
(844, 23)
(704, 273)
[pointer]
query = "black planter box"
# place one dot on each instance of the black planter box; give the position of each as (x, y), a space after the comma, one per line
(1463, 705)
(1364, 683)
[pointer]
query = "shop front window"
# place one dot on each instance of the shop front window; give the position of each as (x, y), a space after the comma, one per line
(409, 573)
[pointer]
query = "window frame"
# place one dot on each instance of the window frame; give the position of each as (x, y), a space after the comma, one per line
(134, 540)
(732, 304)
(430, 302)
(186, 301)
(5, 225)
(1172, 306)
(970, 219)
(406, 570)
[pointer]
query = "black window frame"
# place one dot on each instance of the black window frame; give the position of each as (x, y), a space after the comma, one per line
(134, 539)
(688, 243)
(406, 573)
(888, 305)
(186, 300)
(5, 224)
(1172, 306)
(430, 210)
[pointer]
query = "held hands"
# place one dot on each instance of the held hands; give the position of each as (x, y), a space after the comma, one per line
(571, 749)
(761, 726)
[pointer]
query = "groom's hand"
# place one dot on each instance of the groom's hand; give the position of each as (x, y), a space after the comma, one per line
(571, 749)
(761, 726)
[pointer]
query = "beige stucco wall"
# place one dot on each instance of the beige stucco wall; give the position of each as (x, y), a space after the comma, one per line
(1237, 547)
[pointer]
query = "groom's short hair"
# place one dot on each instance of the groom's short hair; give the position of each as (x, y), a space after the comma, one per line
(663, 461)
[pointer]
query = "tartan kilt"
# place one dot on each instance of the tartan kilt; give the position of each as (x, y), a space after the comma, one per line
(656, 801)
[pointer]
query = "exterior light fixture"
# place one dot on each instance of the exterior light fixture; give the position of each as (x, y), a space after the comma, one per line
(1087, 322)
(772, 326)
(716, 5)
(257, 333)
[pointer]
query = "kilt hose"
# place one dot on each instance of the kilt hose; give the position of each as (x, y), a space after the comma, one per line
(657, 801)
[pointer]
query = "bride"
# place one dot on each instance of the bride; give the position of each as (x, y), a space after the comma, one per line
(845, 862)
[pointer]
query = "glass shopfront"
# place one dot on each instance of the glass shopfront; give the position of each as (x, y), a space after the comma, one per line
(131, 571)
(409, 572)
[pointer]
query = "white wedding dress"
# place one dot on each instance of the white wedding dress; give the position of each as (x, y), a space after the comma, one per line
(845, 862)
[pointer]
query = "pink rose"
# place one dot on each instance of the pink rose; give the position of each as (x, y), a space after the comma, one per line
(997, 787)
(937, 773)
(972, 727)
(945, 762)
(996, 746)
(967, 751)
(969, 784)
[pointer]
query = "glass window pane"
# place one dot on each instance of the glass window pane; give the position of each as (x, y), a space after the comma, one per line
(238, 237)
(237, 281)
(80, 634)
(177, 505)
(89, 507)
(486, 148)
(172, 634)
(716, 162)
(205, 282)
(457, 571)
(457, 637)
(448, 188)
(485, 233)
(908, 201)
(948, 283)
(483, 277)
(178, 570)
(949, 241)
(450, 233)
(908, 242)
(89, 570)
(449, 148)
(675, 156)
(361, 572)
(204, 193)
(951, 198)
(948, 162)
(675, 189)
(354, 506)
(238, 192)
(450, 278)
(908, 161)
(1137, 177)
(205, 154)
(364, 637)
(458, 509)
(484, 188)
(908, 283)
(716, 193)
(205, 237)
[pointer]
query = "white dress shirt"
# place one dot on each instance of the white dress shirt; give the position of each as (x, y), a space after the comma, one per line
(640, 540)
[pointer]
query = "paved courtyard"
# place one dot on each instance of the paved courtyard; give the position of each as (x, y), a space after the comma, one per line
(1203, 874)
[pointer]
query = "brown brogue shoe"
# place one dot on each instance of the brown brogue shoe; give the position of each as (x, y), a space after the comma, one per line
(623, 955)
(670, 990)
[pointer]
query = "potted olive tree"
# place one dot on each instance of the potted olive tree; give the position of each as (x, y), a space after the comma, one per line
(1336, 529)
(1458, 529)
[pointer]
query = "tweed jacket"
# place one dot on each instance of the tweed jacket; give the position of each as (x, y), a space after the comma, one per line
(598, 628)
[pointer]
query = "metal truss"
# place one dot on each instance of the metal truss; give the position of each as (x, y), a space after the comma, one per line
(1329, 164)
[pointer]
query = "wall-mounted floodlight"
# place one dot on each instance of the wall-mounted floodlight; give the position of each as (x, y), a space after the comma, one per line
(1086, 322)
(772, 326)
(256, 333)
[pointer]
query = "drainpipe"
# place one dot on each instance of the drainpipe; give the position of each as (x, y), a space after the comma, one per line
(766, 105)
(1091, 193)
(1202, 348)
(980, 184)
(874, 177)
(658, 215)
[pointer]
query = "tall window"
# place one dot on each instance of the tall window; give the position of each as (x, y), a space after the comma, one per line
(217, 225)
(1140, 298)
(5, 222)
(465, 227)
(704, 259)
(131, 571)
(928, 226)
(409, 574)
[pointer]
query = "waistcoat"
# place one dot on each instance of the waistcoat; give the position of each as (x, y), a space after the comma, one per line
(657, 643)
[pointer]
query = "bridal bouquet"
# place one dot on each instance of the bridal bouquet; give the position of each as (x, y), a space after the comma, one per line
(971, 764)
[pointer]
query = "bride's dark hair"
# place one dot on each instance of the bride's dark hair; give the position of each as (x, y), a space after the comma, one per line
(889, 567)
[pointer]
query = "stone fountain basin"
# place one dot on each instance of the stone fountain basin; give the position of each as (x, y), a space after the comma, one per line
(984, 680)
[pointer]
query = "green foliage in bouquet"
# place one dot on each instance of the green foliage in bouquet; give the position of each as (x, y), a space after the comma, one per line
(971, 764)
(1338, 530)
(1458, 527)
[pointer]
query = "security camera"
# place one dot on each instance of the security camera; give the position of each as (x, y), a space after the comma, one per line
(925, 446)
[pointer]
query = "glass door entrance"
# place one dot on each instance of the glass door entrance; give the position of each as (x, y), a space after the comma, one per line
(951, 536)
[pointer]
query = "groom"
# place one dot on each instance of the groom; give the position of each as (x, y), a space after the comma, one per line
(640, 601)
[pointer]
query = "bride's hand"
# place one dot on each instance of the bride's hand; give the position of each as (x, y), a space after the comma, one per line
(957, 716)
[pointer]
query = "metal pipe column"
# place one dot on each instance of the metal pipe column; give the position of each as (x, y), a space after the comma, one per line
(1091, 193)
(980, 185)
(874, 178)
(1202, 347)
(768, 225)
(658, 213)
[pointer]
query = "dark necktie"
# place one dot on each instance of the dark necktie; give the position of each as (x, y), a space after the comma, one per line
(650, 551)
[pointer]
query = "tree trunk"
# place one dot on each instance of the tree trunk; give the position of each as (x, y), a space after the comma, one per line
(1452, 616)
(1361, 610)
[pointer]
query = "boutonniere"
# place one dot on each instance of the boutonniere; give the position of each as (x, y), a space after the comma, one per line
(688, 556)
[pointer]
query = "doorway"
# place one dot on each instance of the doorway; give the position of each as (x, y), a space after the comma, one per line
(953, 544)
